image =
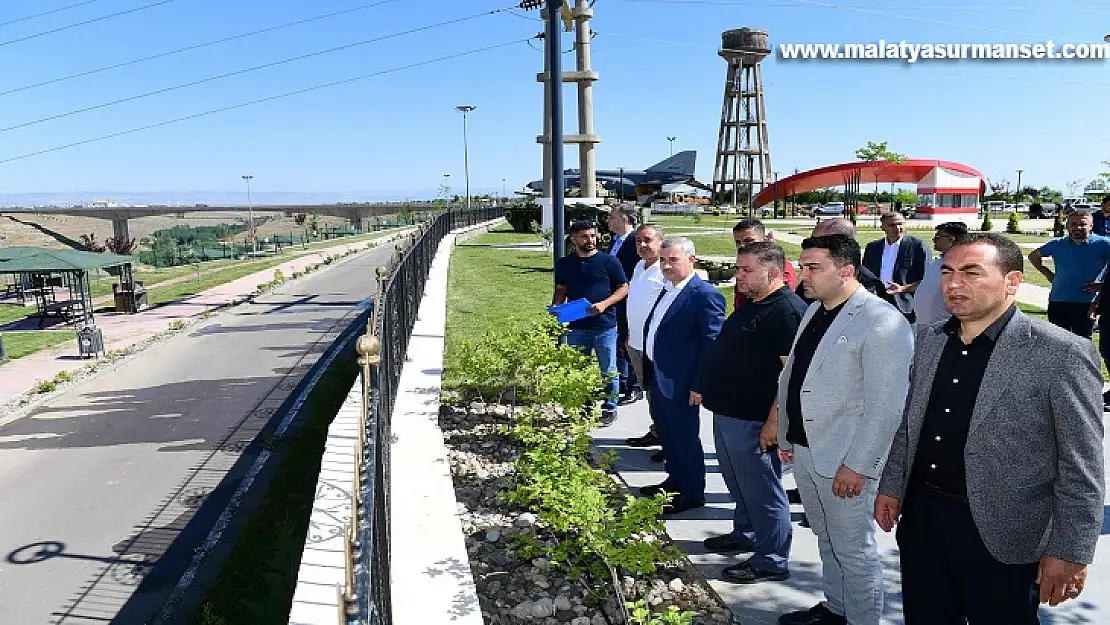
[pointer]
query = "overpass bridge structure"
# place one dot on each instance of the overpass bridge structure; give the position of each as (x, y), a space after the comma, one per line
(358, 214)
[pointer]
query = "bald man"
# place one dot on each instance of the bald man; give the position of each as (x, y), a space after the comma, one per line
(840, 225)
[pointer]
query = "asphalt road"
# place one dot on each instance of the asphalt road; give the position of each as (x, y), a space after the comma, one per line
(100, 488)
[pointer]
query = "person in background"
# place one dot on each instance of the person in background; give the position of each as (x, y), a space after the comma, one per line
(841, 396)
(839, 225)
(1080, 259)
(928, 301)
(599, 279)
(899, 260)
(746, 232)
(739, 384)
(681, 326)
(997, 489)
(1101, 219)
(622, 222)
(643, 290)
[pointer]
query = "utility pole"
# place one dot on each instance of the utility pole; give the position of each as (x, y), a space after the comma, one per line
(466, 158)
(555, 139)
(620, 187)
(250, 212)
(1018, 190)
(671, 139)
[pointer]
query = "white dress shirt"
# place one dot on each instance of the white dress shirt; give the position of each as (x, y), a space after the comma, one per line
(890, 256)
(643, 290)
(671, 293)
(928, 301)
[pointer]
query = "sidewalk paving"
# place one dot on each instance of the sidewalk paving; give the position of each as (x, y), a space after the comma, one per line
(761, 604)
(122, 331)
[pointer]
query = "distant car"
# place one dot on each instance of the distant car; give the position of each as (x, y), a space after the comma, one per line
(1042, 210)
(829, 210)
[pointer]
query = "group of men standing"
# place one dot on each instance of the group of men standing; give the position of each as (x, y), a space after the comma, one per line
(989, 462)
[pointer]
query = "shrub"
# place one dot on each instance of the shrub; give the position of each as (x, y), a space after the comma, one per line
(987, 225)
(45, 386)
(176, 326)
(279, 277)
(1013, 225)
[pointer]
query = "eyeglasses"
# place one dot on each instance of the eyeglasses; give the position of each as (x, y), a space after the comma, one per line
(943, 236)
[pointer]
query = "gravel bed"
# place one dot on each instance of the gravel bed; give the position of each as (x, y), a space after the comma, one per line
(514, 589)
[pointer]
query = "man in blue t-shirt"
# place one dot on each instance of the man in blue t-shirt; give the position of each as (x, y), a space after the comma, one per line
(1080, 259)
(599, 279)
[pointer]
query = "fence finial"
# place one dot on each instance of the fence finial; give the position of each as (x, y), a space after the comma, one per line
(368, 348)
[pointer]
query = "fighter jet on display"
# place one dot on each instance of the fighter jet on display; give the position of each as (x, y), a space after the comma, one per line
(631, 183)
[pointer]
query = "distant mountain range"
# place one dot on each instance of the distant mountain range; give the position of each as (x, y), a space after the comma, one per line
(218, 198)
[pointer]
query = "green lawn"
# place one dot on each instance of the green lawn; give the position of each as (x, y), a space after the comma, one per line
(489, 288)
(21, 343)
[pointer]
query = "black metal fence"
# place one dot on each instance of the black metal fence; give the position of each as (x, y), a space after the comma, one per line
(401, 287)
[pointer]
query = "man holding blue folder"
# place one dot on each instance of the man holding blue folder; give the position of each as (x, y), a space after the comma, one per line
(599, 279)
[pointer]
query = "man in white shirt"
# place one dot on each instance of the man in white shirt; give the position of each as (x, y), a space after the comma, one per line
(681, 327)
(647, 281)
(622, 222)
(928, 301)
(899, 260)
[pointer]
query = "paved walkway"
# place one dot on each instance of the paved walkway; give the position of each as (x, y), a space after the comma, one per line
(115, 483)
(761, 604)
(122, 331)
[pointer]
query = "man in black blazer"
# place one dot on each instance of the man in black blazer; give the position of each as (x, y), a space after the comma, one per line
(622, 223)
(899, 260)
(838, 225)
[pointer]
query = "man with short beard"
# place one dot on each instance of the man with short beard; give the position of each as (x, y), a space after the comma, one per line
(739, 384)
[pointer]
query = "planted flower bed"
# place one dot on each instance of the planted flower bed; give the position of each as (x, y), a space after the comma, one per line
(553, 536)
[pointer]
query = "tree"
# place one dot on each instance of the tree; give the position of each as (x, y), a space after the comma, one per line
(1013, 225)
(1050, 195)
(1074, 186)
(1032, 192)
(89, 244)
(997, 188)
(987, 225)
(1098, 184)
(872, 153)
(117, 245)
(1105, 174)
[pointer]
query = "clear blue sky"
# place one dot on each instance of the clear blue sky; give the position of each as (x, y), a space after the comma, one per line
(398, 134)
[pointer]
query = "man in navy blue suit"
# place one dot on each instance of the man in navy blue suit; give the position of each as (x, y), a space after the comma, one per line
(622, 223)
(679, 331)
(899, 260)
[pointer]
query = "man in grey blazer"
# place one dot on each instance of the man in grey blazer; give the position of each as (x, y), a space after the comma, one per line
(996, 475)
(843, 388)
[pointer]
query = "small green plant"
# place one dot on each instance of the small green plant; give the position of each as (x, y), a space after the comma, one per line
(1013, 225)
(176, 326)
(987, 226)
(697, 218)
(1058, 225)
(63, 377)
(279, 277)
(45, 386)
(640, 614)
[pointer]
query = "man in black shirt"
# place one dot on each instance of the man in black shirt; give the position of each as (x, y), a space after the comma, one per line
(999, 485)
(599, 279)
(838, 225)
(739, 384)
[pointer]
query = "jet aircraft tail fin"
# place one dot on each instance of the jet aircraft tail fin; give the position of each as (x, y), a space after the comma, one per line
(681, 163)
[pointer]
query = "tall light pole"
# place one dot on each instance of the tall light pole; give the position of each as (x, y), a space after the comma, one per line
(671, 139)
(466, 157)
(620, 188)
(250, 211)
(1018, 190)
(504, 195)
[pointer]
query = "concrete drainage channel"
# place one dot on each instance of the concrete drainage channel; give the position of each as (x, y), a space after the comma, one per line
(185, 578)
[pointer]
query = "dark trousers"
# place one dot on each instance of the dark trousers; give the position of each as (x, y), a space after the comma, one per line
(625, 371)
(678, 423)
(1072, 316)
(949, 577)
(1104, 335)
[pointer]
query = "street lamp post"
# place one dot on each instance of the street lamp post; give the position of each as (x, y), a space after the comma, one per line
(504, 195)
(775, 204)
(671, 139)
(466, 157)
(620, 186)
(1018, 189)
(250, 212)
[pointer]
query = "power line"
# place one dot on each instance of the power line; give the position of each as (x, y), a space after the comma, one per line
(45, 13)
(193, 47)
(263, 100)
(239, 72)
(86, 22)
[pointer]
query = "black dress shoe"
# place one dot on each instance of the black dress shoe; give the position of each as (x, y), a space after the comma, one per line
(793, 496)
(655, 489)
(608, 417)
(804, 521)
(817, 615)
(682, 503)
(632, 397)
(728, 543)
(658, 456)
(747, 573)
(647, 440)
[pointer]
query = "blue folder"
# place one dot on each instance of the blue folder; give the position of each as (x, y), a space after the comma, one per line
(571, 311)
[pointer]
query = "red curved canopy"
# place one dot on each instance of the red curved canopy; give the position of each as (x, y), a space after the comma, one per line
(911, 170)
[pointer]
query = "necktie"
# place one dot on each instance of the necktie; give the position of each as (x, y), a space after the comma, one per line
(617, 242)
(647, 324)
